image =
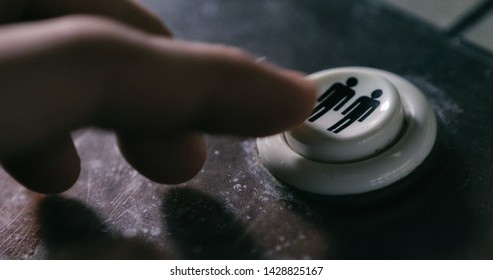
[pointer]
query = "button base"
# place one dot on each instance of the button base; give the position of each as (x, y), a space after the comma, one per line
(384, 169)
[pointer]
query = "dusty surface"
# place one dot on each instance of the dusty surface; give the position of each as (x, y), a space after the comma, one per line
(227, 211)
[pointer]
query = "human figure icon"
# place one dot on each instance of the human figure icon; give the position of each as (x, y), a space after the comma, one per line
(335, 97)
(358, 111)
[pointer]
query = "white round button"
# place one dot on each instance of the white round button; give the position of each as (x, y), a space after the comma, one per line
(369, 129)
(357, 115)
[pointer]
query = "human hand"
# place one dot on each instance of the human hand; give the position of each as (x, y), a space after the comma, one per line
(111, 64)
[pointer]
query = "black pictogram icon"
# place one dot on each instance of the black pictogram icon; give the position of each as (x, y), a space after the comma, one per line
(358, 111)
(335, 97)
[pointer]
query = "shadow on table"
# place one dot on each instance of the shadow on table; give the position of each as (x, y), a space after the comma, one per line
(203, 228)
(70, 230)
(199, 226)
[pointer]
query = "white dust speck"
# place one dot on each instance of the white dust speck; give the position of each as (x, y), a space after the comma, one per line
(155, 231)
(261, 59)
(445, 108)
(130, 232)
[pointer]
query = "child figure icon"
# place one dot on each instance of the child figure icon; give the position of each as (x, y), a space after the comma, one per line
(358, 111)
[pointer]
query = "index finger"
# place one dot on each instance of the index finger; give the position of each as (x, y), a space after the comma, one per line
(182, 85)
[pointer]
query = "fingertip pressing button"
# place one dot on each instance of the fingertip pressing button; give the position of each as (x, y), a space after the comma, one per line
(368, 129)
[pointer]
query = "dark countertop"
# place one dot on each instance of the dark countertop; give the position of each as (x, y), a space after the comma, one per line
(234, 209)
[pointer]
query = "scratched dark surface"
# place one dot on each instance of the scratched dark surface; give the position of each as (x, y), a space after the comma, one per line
(234, 209)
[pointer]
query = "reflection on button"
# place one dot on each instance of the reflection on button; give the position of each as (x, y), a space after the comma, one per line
(369, 128)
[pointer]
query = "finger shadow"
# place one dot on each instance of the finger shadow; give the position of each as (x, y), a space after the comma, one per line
(203, 228)
(70, 230)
